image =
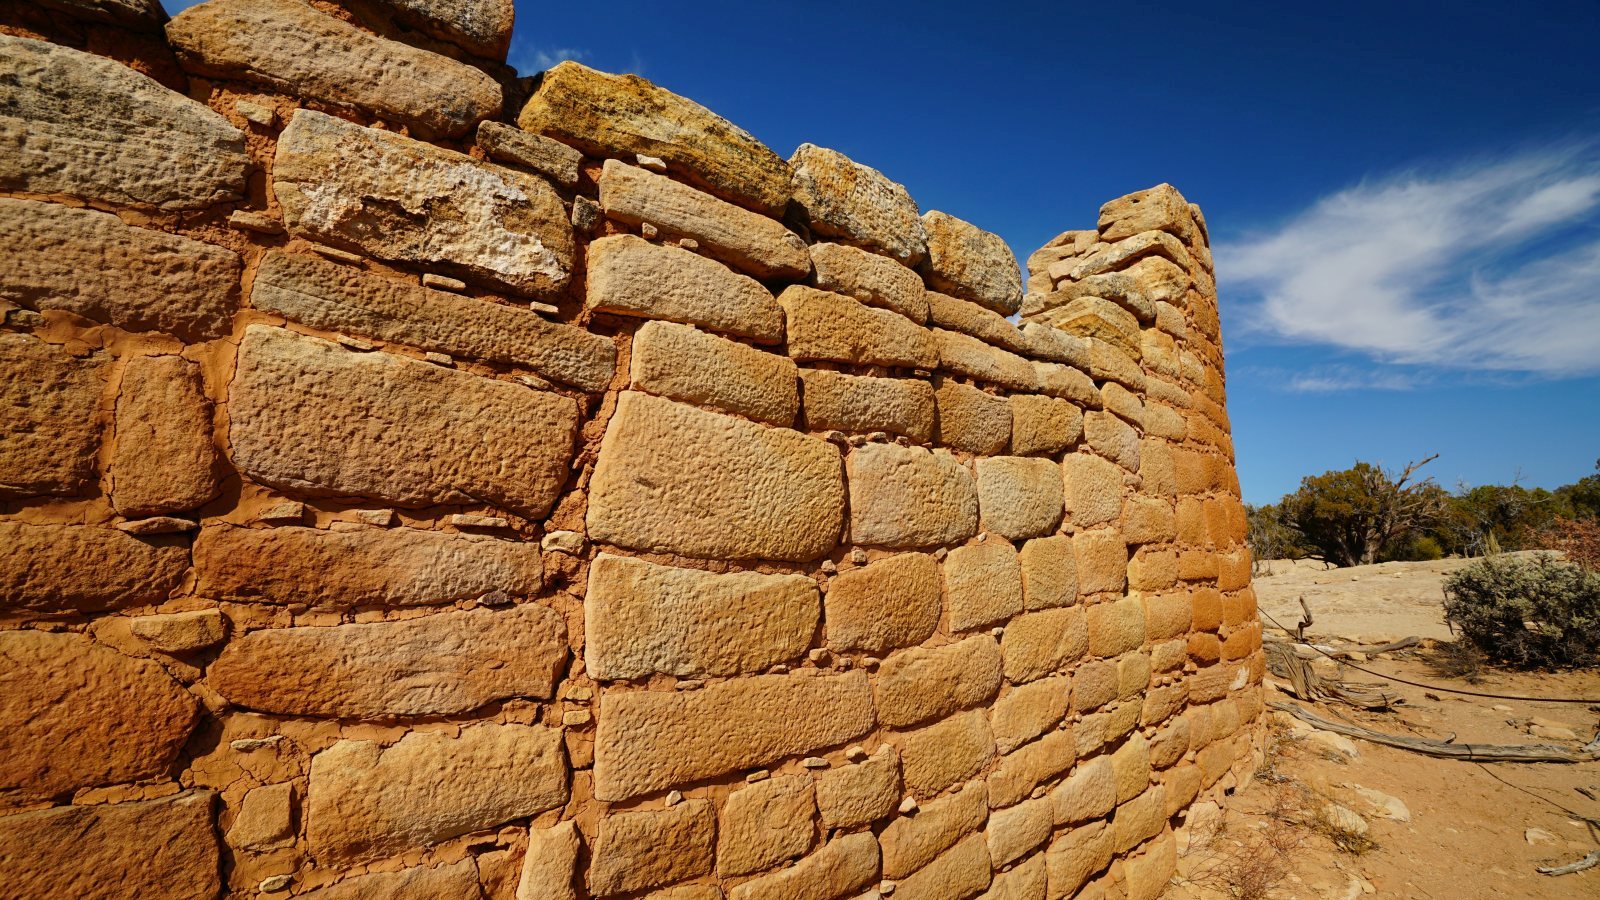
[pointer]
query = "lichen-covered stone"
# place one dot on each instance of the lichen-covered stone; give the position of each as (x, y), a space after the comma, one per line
(1018, 497)
(835, 328)
(632, 277)
(907, 497)
(651, 848)
(50, 432)
(982, 584)
(162, 849)
(870, 278)
(681, 363)
(165, 459)
(930, 683)
(845, 199)
(971, 420)
(766, 823)
(884, 605)
(859, 404)
(842, 868)
(968, 262)
(934, 757)
(911, 842)
(84, 568)
(855, 795)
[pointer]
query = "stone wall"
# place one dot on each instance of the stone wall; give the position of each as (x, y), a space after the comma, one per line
(421, 481)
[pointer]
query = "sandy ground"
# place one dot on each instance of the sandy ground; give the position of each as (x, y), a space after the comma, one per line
(1474, 830)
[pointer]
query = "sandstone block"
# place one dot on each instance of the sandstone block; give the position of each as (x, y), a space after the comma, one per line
(652, 848)
(1127, 251)
(1160, 208)
(1140, 819)
(1019, 498)
(845, 199)
(50, 433)
(1099, 318)
(860, 794)
(74, 714)
(1043, 425)
(1153, 570)
(1029, 710)
(1102, 561)
(164, 461)
(82, 568)
(1147, 874)
(151, 849)
(934, 757)
(631, 277)
(1117, 627)
(1090, 792)
(1038, 643)
(983, 584)
(1017, 831)
(766, 823)
(550, 158)
(1076, 856)
(681, 363)
(370, 567)
(480, 27)
(1113, 439)
(457, 881)
(971, 420)
(1163, 284)
(742, 239)
(1058, 381)
(835, 328)
(677, 479)
(1093, 489)
(550, 865)
(367, 801)
(1026, 881)
(180, 632)
(265, 41)
(966, 355)
(642, 619)
(958, 874)
(1056, 346)
(80, 124)
(911, 842)
(378, 192)
(1049, 573)
(1094, 684)
(843, 867)
(955, 314)
(343, 299)
(649, 740)
(884, 605)
(968, 262)
(928, 683)
(1122, 288)
(909, 497)
(869, 278)
(624, 115)
(860, 404)
(1107, 363)
(264, 820)
(1130, 766)
(1030, 766)
(1148, 520)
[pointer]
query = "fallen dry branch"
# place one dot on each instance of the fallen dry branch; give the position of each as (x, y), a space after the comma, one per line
(1532, 753)
(1306, 684)
(1588, 862)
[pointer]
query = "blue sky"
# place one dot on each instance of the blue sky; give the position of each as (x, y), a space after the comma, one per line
(1404, 197)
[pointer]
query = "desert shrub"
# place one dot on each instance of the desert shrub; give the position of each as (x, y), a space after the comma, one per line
(1577, 539)
(1527, 613)
(1417, 549)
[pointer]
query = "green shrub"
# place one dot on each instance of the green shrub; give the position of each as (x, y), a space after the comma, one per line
(1527, 613)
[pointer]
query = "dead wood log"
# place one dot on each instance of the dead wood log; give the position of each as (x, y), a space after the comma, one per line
(1588, 862)
(1531, 753)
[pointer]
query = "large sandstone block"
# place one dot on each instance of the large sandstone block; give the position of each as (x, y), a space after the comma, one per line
(381, 193)
(967, 356)
(1049, 573)
(266, 42)
(1098, 318)
(1092, 489)
(652, 848)
(1018, 497)
(884, 605)
(1027, 880)
(911, 842)
(83, 568)
(309, 415)
(742, 239)
(767, 823)
(165, 460)
(50, 434)
(92, 265)
(1017, 831)
(371, 567)
(1102, 557)
(844, 867)
(642, 619)
(1043, 425)
(971, 420)
(1075, 857)
(332, 297)
(650, 740)
(79, 124)
(1023, 770)
(870, 278)
(1038, 643)
(1113, 439)
(860, 404)
(1088, 793)
(74, 714)
(367, 801)
(1129, 250)
(958, 874)
(1029, 710)
(909, 497)
(1160, 208)
(433, 666)
(681, 363)
(480, 27)
(630, 276)
(673, 478)
(625, 116)
(456, 881)
(845, 199)
(946, 753)
(142, 850)
(968, 262)
(835, 328)
(955, 314)
(930, 683)
(982, 584)
(860, 794)
(549, 158)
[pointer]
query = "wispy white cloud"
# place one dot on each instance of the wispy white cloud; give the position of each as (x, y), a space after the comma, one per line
(530, 60)
(1493, 265)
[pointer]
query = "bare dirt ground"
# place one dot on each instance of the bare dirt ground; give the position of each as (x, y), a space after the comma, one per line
(1426, 827)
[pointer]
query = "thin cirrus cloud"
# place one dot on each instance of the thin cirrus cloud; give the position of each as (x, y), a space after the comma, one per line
(1490, 266)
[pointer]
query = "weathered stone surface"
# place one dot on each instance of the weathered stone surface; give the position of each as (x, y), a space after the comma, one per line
(835, 328)
(1160, 208)
(1130, 768)
(1094, 685)
(937, 756)
(436, 665)
(151, 850)
(742, 239)
(648, 740)
(860, 794)
(1030, 766)
(1029, 710)
(652, 848)
(968, 356)
(264, 819)
(549, 158)
(1027, 881)
(848, 200)
(1043, 425)
(968, 262)
(131, 13)
(370, 567)
(673, 478)
(681, 363)
(180, 632)
(1140, 819)
(1049, 573)
(481, 27)
(1117, 627)
(457, 881)
(381, 193)
(1018, 497)
(309, 415)
(1148, 873)
(969, 318)
(165, 460)
(1090, 792)
(911, 842)
(625, 116)
(929, 683)
(92, 265)
(766, 823)
(1112, 438)
(909, 497)
(1096, 317)
(1066, 384)
(958, 874)
(1107, 363)
(972, 420)
(630, 276)
(74, 714)
(1056, 346)
(1093, 489)
(1038, 643)
(1016, 831)
(983, 584)
(870, 278)
(642, 619)
(1131, 249)
(75, 123)
(844, 866)
(885, 605)
(84, 568)
(860, 404)
(1076, 856)
(1102, 561)
(550, 865)
(367, 801)
(344, 299)
(50, 433)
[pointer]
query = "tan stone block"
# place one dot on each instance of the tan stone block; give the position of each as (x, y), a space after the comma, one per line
(1095, 317)
(1029, 710)
(1242, 642)
(955, 314)
(1025, 881)
(766, 823)
(835, 328)
(629, 276)
(652, 848)
(649, 740)
(1192, 471)
(1038, 643)
(1197, 565)
(1153, 570)
(624, 116)
(1167, 616)
(1043, 425)
(887, 604)
(1160, 208)
(874, 280)
(164, 461)
(457, 881)
(925, 683)
(1102, 561)
(681, 363)
(1147, 520)
(907, 497)
(967, 356)
(265, 819)
(1140, 819)
(1094, 684)
(1122, 254)
(550, 158)
(968, 262)
(1112, 438)
(180, 632)
(1183, 784)
(1067, 384)
(859, 404)
(1148, 873)
(1207, 605)
(1133, 675)
(839, 869)
(1169, 744)
(911, 842)
(1214, 762)
(1191, 521)
(673, 478)
(1168, 656)
(1075, 857)
(550, 865)
(1159, 421)
(1093, 489)
(1121, 288)
(845, 199)
(1014, 832)
(1056, 346)
(1204, 648)
(855, 795)
(1049, 573)
(57, 568)
(1156, 472)
(162, 849)
(1161, 703)
(956, 875)
(1131, 768)
(1090, 792)
(982, 584)
(971, 420)
(1108, 363)
(1233, 570)
(443, 664)
(50, 435)
(1023, 770)
(1116, 627)
(934, 757)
